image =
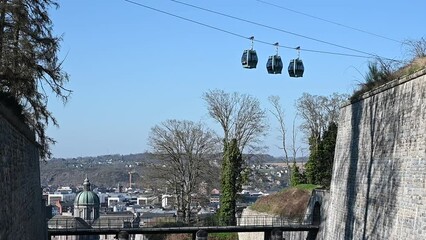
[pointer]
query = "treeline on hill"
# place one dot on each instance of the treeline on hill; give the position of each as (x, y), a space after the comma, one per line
(112, 170)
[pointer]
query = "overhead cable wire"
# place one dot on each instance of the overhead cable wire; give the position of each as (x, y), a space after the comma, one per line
(184, 18)
(311, 50)
(329, 21)
(242, 36)
(278, 29)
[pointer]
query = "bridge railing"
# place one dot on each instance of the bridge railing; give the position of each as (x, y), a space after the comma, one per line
(129, 222)
(267, 221)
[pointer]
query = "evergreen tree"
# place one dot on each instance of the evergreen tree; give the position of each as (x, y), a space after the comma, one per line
(230, 182)
(28, 63)
(326, 155)
(311, 167)
(296, 176)
(320, 164)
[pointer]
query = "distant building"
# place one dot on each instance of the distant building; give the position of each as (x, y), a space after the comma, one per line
(63, 208)
(87, 214)
(53, 199)
(64, 190)
(86, 211)
(113, 201)
(215, 196)
(147, 200)
(165, 200)
(64, 194)
(86, 203)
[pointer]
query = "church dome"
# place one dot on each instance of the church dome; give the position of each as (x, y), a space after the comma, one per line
(86, 197)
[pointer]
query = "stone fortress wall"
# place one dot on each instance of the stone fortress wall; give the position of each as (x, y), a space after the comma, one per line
(378, 189)
(21, 208)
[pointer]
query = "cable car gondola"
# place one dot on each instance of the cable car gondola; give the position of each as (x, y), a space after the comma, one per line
(295, 67)
(274, 64)
(249, 57)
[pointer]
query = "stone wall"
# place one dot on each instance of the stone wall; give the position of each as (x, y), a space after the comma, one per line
(21, 214)
(378, 189)
(247, 212)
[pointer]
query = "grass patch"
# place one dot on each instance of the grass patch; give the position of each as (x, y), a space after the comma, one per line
(414, 66)
(289, 203)
(223, 236)
(308, 187)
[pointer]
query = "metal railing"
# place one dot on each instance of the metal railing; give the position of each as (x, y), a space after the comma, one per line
(162, 222)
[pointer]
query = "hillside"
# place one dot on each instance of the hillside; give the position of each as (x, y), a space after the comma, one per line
(111, 170)
(289, 203)
(105, 171)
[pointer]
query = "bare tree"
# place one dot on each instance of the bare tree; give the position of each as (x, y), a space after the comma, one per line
(332, 105)
(417, 48)
(243, 123)
(318, 111)
(239, 115)
(278, 113)
(184, 147)
(295, 148)
(308, 106)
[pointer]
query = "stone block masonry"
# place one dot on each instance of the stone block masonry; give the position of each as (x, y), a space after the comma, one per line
(378, 189)
(21, 209)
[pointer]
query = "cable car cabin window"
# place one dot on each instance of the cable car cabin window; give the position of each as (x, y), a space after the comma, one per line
(296, 68)
(244, 57)
(274, 65)
(249, 59)
(253, 57)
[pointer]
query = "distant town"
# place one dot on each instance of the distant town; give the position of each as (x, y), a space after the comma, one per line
(126, 189)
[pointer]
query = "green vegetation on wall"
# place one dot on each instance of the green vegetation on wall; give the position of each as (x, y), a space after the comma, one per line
(382, 71)
(230, 182)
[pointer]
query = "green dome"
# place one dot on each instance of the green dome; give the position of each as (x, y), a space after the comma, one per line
(86, 197)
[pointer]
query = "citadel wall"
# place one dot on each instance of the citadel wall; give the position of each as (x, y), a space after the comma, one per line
(21, 208)
(378, 189)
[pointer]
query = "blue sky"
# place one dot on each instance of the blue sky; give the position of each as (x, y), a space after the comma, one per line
(132, 68)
